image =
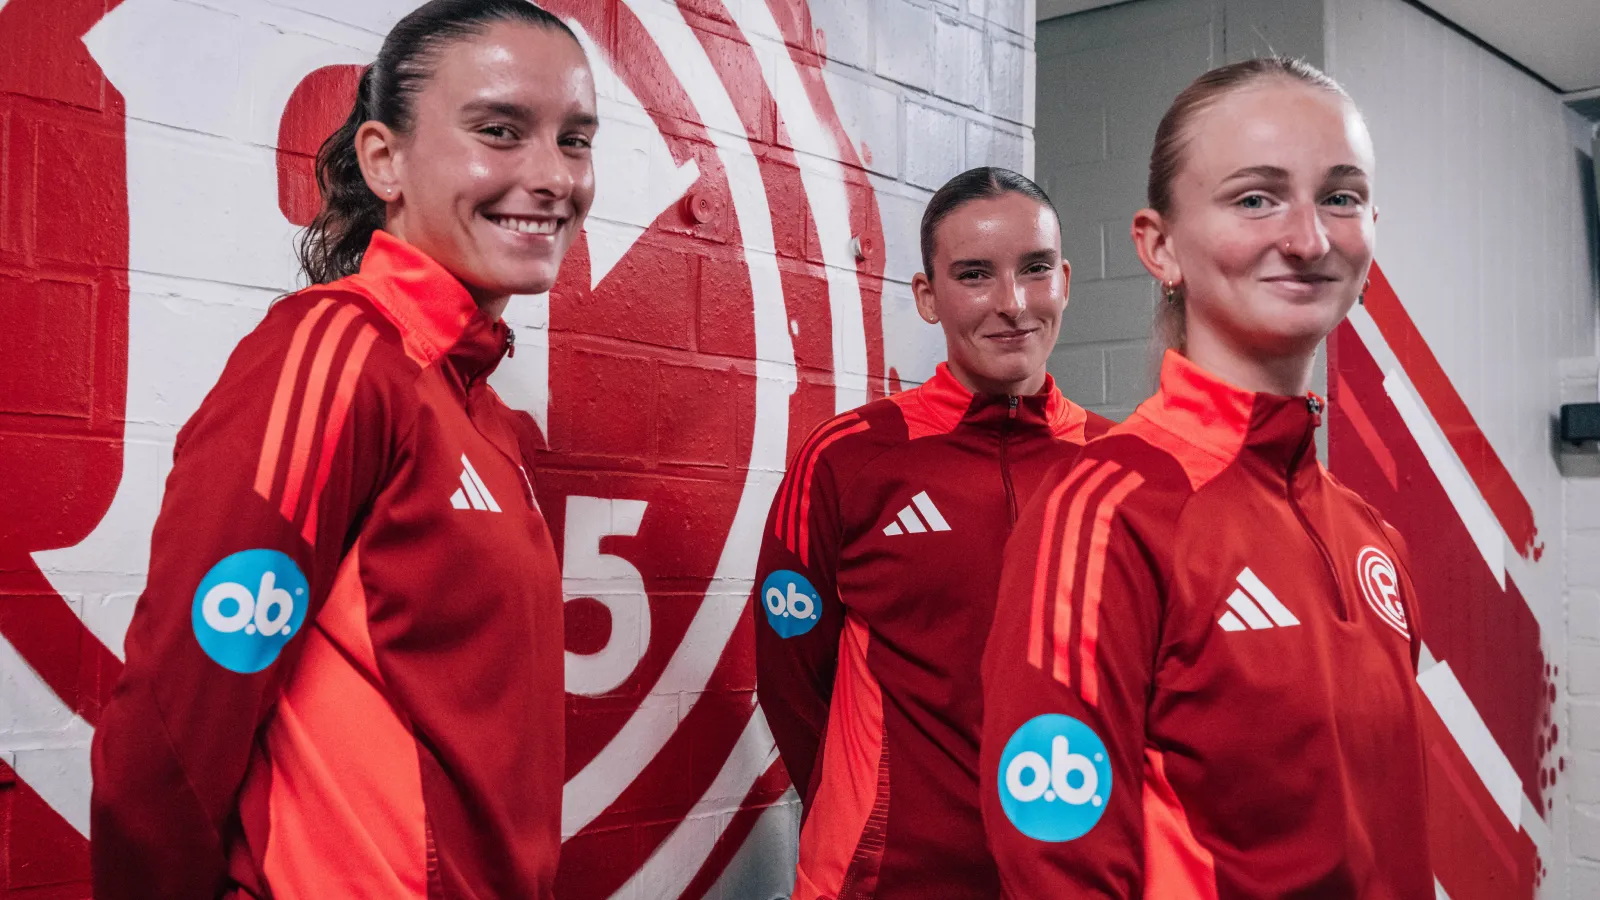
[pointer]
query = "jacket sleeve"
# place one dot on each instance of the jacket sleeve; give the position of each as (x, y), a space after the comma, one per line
(798, 615)
(268, 481)
(1066, 783)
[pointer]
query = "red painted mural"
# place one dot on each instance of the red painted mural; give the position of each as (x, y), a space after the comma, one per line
(1403, 438)
(154, 160)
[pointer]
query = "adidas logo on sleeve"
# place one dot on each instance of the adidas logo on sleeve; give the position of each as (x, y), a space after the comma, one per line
(919, 517)
(1254, 607)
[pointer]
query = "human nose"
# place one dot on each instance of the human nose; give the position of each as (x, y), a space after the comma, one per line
(1012, 298)
(1305, 237)
(545, 170)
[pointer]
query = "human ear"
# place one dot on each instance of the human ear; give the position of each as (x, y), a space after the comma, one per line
(376, 151)
(1153, 243)
(922, 289)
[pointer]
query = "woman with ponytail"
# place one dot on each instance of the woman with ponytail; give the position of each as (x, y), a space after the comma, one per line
(344, 677)
(1201, 678)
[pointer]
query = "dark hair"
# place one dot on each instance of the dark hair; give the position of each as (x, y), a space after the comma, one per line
(332, 246)
(1172, 140)
(974, 184)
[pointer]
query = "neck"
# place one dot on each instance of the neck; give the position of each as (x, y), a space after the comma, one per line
(1289, 375)
(977, 384)
(491, 307)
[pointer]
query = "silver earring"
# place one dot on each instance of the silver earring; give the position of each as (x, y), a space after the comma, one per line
(1170, 289)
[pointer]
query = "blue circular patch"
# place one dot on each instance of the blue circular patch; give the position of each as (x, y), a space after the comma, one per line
(247, 607)
(792, 605)
(1055, 779)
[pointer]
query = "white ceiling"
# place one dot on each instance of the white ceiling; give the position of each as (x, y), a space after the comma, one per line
(1557, 39)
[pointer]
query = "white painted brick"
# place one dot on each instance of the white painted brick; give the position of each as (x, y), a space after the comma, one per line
(1585, 835)
(933, 146)
(1583, 670)
(1583, 559)
(1006, 81)
(958, 62)
(871, 116)
(1583, 503)
(1583, 881)
(904, 38)
(846, 27)
(901, 210)
(1583, 614)
(1584, 768)
(987, 146)
(1130, 376)
(1585, 726)
(1080, 373)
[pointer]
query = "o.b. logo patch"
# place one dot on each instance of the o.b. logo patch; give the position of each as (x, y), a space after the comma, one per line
(1055, 779)
(247, 607)
(792, 604)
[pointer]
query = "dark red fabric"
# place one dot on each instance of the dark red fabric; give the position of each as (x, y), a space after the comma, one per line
(1290, 755)
(463, 605)
(924, 600)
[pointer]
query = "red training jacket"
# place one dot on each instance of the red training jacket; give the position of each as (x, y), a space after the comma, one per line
(344, 678)
(1201, 678)
(875, 589)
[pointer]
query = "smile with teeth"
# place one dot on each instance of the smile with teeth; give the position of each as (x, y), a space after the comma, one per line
(526, 226)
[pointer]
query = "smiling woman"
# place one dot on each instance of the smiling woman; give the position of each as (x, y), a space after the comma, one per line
(345, 674)
(881, 558)
(1192, 602)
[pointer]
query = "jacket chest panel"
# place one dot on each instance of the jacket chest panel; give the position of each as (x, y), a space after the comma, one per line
(460, 527)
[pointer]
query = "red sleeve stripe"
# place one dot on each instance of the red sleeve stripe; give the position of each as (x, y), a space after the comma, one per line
(804, 519)
(1045, 560)
(799, 471)
(267, 467)
(1175, 862)
(1067, 578)
(793, 528)
(333, 429)
(1094, 579)
(310, 405)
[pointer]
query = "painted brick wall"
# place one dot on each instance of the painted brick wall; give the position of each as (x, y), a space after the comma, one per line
(152, 173)
(1486, 234)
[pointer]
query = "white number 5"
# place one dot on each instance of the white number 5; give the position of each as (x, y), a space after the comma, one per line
(614, 583)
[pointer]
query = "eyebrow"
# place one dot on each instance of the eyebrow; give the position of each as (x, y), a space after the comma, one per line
(1346, 171)
(522, 113)
(1268, 173)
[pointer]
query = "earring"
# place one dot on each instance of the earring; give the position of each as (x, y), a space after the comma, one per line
(1361, 298)
(1170, 289)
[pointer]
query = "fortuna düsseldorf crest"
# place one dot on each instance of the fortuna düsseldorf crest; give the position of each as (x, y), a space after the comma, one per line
(1380, 584)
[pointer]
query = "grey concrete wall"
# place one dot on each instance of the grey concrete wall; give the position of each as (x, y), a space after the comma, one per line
(1105, 77)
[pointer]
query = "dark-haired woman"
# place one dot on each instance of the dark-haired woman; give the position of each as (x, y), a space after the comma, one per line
(877, 576)
(1200, 682)
(344, 678)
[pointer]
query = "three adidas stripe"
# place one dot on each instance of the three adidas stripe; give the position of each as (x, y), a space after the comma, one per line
(910, 523)
(1255, 607)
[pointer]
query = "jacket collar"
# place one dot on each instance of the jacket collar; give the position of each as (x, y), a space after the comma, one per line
(435, 314)
(949, 404)
(1228, 422)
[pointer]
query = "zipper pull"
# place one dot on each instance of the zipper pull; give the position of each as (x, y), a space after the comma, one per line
(511, 341)
(1011, 404)
(1314, 406)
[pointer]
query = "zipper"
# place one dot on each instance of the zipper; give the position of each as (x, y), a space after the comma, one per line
(1005, 464)
(1314, 406)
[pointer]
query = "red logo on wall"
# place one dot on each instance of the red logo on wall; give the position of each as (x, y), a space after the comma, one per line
(714, 311)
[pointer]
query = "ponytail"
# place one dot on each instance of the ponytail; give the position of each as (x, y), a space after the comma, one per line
(333, 244)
